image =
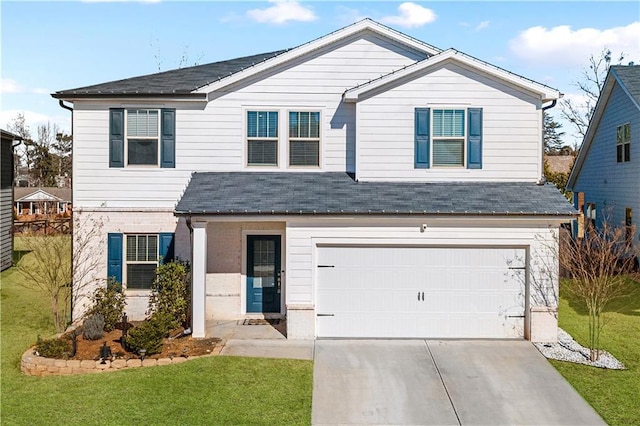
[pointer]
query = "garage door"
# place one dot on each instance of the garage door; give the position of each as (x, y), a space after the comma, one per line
(405, 292)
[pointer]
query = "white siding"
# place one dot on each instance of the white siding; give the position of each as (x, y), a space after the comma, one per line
(211, 137)
(512, 139)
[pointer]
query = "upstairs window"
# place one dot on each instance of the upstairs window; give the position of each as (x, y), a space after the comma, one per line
(142, 137)
(262, 138)
(143, 128)
(304, 138)
(448, 137)
(623, 143)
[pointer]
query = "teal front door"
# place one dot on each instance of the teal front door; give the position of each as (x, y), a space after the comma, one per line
(263, 273)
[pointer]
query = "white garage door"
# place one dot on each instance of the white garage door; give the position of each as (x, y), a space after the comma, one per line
(372, 292)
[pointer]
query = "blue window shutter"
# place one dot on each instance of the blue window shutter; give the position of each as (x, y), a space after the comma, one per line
(168, 139)
(474, 139)
(114, 256)
(422, 129)
(116, 137)
(165, 247)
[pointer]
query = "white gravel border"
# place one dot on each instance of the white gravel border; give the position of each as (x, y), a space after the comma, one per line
(567, 349)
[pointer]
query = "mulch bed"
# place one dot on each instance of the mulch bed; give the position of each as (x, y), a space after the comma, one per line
(185, 346)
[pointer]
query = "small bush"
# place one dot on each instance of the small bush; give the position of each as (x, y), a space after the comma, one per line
(109, 302)
(148, 335)
(170, 292)
(53, 348)
(93, 327)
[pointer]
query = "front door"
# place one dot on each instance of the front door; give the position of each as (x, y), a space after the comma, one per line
(263, 273)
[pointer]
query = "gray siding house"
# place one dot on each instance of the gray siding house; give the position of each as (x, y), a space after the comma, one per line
(6, 198)
(606, 174)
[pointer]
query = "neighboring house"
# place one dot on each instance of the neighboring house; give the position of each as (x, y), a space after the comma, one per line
(364, 184)
(6, 197)
(606, 175)
(33, 202)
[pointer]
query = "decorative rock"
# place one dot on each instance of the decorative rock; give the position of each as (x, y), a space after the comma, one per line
(47, 361)
(164, 361)
(65, 371)
(87, 364)
(101, 366)
(118, 363)
(73, 363)
(132, 363)
(178, 360)
(149, 362)
(60, 363)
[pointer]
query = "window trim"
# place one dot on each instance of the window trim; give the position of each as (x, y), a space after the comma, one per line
(289, 138)
(126, 262)
(433, 138)
(158, 138)
(623, 144)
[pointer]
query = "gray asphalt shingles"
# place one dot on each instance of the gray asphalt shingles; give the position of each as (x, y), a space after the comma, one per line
(337, 193)
(629, 75)
(180, 81)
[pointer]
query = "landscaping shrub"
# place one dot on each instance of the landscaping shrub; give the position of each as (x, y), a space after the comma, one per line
(53, 348)
(93, 327)
(148, 335)
(170, 293)
(109, 302)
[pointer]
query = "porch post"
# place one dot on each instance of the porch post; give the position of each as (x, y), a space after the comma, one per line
(198, 281)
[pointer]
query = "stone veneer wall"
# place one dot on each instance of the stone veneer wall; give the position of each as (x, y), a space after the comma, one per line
(35, 365)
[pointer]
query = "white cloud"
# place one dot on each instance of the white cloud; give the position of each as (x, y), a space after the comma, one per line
(562, 45)
(282, 11)
(482, 25)
(410, 15)
(35, 119)
(9, 85)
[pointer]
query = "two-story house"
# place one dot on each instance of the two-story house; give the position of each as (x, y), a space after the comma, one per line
(364, 184)
(606, 175)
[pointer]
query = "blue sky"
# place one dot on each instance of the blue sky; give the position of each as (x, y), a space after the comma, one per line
(50, 46)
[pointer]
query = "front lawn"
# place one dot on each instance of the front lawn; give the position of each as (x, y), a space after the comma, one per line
(614, 394)
(214, 390)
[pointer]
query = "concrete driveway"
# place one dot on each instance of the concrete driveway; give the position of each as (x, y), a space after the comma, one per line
(448, 382)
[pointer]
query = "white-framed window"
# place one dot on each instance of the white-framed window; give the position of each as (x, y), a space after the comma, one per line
(623, 143)
(142, 137)
(141, 260)
(262, 138)
(304, 138)
(449, 138)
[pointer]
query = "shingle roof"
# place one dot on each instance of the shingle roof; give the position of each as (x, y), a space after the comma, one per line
(175, 82)
(283, 193)
(63, 194)
(629, 76)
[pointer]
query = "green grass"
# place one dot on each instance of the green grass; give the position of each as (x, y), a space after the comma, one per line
(214, 390)
(614, 394)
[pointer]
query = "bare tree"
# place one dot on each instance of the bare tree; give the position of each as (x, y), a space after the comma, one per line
(54, 263)
(598, 264)
(589, 85)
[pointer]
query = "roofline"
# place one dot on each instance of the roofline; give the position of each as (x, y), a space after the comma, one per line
(5, 134)
(598, 112)
(378, 214)
(137, 95)
(623, 86)
(325, 40)
(36, 191)
(547, 93)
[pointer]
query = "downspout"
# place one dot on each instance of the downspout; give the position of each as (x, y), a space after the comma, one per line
(62, 105)
(543, 179)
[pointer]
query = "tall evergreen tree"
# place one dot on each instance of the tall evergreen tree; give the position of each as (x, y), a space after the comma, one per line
(553, 143)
